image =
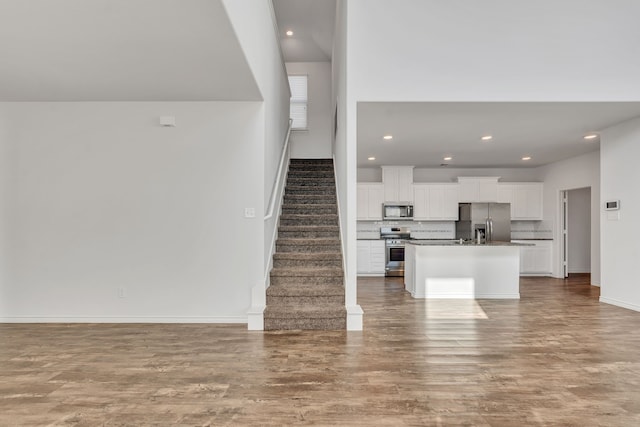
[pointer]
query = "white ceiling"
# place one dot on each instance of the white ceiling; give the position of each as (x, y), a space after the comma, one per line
(121, 50)
(312, 23)
(424, 133)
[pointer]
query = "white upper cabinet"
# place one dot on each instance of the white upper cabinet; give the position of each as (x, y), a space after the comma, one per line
(370, 199)
(398, 183)
(435, 202)
(478, 189)
(525, 199)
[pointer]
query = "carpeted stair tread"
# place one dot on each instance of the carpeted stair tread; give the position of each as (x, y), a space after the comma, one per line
(307, 272)
(321, 241)
(308, 255)
(308, 216)
(306, 290)
(309, 199)
(307, 206)
(309, 228)
(313, 160)
(304, 312)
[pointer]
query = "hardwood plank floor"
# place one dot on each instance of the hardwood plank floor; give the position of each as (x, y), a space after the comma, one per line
(556, 357)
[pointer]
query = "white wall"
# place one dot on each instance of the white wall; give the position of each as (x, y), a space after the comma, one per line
(4, 167)
(102, 198)
(316, 141)
(620, 146)
(579, 230)
(256, 32)
(494, 50)
(577, 172)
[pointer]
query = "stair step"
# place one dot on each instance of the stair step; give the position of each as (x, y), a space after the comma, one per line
(310, 190)
(306, 290)
(296, 219)
(315, 182)
(322, 244)
(310, 199)
(304, 178)
(329, 174)
(303, 167)
(308, 312)
(306, 280)
(295, 301)
(306, 318)
(307, 259)
(326, 324)
(308, 231)
(307, 209)
(312, 161)
(305, 272)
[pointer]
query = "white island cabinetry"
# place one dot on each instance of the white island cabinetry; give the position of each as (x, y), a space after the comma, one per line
(536, 259)
(490, 271)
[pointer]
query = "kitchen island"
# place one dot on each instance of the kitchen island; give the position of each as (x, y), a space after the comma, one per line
(448, 269)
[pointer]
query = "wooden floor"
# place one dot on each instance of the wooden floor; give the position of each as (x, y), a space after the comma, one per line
(557, 357)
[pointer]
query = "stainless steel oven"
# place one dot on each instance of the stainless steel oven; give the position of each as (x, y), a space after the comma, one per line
(395, 238)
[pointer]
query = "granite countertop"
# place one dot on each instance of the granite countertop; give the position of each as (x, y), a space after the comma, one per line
(466, 243)
(540, 238)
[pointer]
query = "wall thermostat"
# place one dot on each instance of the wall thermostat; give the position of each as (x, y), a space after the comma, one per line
(612, 205)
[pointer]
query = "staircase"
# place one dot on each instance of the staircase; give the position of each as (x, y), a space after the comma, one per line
(307, 289)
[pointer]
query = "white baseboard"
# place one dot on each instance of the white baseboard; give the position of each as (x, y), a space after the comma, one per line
(255, 318)
(618, 303)
(354, 318)
(536, 274)
(54, 319)
(580, 270)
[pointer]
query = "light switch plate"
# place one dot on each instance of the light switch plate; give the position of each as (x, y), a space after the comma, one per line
(249, 212)
(168, 121)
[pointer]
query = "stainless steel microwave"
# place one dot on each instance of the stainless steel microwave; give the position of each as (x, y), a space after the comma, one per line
(396, 211)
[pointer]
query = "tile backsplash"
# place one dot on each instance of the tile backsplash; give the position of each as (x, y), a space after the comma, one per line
(447, 229)
(531, 230)
(419, 230)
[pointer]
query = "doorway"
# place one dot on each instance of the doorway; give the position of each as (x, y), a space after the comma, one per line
(576, 232)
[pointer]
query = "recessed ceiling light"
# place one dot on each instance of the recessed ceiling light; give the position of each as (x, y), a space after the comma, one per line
(526, 158)
(486, 138)
(448, 158)
(387, 137)
(591, 136)
(371, 158)
(289, 33)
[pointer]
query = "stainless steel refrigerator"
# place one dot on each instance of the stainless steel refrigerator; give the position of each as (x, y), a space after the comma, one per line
(491, 220)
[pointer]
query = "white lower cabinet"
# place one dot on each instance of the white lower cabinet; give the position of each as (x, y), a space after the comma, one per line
(371, 257)
(537, 259)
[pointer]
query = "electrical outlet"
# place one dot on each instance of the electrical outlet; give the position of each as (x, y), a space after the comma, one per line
(122, 293)
(249, 212)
